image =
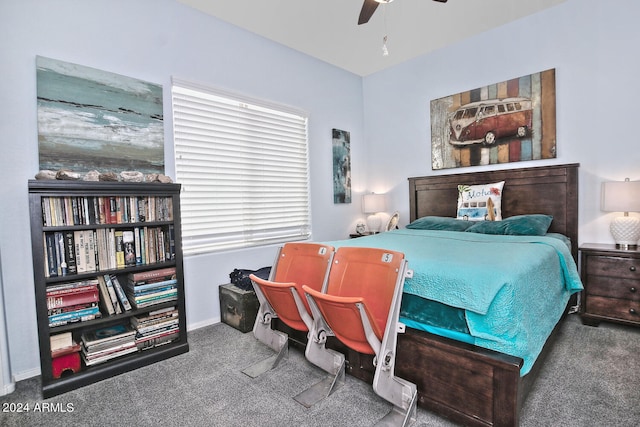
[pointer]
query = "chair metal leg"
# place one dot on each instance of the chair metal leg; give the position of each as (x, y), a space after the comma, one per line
(321, 389)
(399, 416)
(329, 360)
(278, 341)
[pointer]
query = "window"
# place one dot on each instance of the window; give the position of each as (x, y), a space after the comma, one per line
(244, 170)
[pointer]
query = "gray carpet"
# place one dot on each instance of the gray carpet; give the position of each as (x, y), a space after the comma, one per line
(591, 378)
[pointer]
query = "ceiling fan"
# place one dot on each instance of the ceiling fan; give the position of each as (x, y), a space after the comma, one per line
(370, 6)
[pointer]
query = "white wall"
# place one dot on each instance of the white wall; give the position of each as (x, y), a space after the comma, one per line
(591, 45)
(153, 40)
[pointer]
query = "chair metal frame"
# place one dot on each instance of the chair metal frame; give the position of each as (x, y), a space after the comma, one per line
(278, 340)
(401, 393)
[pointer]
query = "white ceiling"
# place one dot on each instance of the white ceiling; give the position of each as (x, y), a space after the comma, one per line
(328, 30)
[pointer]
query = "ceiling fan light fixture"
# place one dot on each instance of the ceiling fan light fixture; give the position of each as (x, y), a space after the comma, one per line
(384, 1)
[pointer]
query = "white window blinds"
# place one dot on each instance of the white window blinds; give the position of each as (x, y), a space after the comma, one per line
(243, 166)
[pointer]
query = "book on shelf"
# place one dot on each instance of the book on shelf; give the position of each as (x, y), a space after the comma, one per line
(112, 213)
(106, 334)
(142, 287)
(122, 297)
(159, 274)
(71, 287)
(81, 314)
(129, 248)
(61, 260)
(153, 299)
(154, 317)
(119, 248)
(72, 308)
(62, 340)
(85, 250)
(66, 350)
(136, 244)
(152, 341)
(154, 288)
(105, 297)
(166, 325)
(75, 320)
(62, 344)
(50, 255)
(112, 294)
(70, 252)
(91, 360)
(72, 299)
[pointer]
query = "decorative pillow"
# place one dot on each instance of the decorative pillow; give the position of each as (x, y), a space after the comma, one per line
(439, 223)
(480, 202)
(519, 225)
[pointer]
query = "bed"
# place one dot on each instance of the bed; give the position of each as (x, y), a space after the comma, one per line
(464, 382)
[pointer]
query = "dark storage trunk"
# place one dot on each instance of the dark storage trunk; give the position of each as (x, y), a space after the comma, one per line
(238, 308)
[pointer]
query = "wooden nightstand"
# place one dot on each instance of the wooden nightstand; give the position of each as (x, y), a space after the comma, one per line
(611, 279)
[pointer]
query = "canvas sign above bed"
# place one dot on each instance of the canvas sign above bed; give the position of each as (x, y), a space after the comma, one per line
(510, 121)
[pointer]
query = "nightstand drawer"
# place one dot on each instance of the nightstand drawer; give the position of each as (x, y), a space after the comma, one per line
(628, 268)
(615, 308)
(613, 287)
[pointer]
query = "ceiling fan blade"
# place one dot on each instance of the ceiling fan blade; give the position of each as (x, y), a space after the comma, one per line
(441, 1)
(368, 8)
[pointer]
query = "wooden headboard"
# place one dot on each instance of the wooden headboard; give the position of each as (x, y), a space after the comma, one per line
(551, 190)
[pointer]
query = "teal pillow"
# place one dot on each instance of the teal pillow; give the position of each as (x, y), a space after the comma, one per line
(440, 223)
(519, 225)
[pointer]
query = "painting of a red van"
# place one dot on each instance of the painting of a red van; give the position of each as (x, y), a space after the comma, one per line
(487, 121)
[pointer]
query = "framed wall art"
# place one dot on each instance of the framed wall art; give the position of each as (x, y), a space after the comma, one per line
(90, 119)
(341, 142)
(510, 121)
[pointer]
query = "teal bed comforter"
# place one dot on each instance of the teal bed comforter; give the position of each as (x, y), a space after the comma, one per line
(513, 289)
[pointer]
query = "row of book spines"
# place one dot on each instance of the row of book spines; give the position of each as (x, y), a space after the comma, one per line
(67, 210)
(142, 342)
(63, 301)
(85, 251)
(97, 350)
(148, 278)
(145, 343)
(112, 304)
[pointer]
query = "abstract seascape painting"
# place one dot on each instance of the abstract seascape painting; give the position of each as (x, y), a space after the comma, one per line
(90, 119)
(510, 121)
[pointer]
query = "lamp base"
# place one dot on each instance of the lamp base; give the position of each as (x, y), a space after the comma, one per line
(626, 232)
(373, 223)
(626, 247)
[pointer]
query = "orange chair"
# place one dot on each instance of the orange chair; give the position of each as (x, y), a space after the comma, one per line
(361, 307)
(281, 296)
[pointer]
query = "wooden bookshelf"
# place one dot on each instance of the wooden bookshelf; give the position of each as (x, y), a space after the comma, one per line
(94, 213)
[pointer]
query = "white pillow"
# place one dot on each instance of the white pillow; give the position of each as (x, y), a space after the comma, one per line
(475, 201)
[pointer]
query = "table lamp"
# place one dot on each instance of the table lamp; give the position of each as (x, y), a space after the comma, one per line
(372, 204)
(623, 196)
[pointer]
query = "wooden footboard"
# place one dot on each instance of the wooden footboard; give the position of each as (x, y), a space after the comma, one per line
(467, 384)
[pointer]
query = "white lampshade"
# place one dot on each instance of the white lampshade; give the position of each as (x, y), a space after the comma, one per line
(623, 196)
(372, 204)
